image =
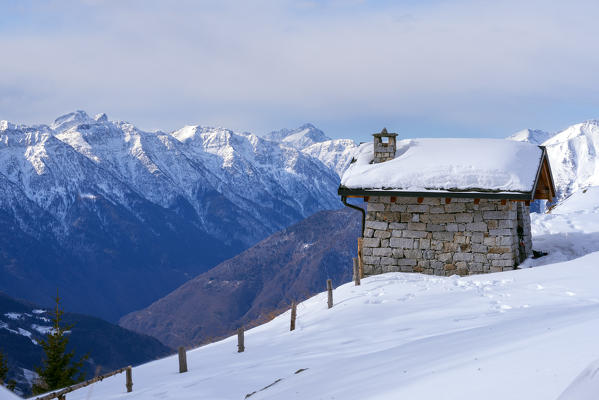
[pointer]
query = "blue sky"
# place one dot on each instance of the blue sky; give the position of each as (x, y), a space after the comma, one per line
(420, 68)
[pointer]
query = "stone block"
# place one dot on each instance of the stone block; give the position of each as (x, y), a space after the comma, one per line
(415, 217)
(449, 267)
(432, 201)
(477, 237)
(445, 257)
(377, 225)
(419, 208)
(500, 232)
(406, 261)
(402, 243)
(480, 258)
(415, 254)
(390, 268)
(507, 223)
(397, 225)
(502, 263)
(477, 227)
(382, 234)
(463, 257)
(436, 245)
(428, 254)
(376, 206)
(405, 217)
(442, 218)
(368, 232)
(435, 227)
(414, 234)
(455, 207)
(479, 248)
(397, 253)
(382, 251)
(437, 210)
(388, 261)
(492, 224)
(397, 207)
(500, 250)
(452, 227)
(490, 241)
(367, 251)
(384, 242)
(463, 217)
(371, 260)
(425, 243)
(447, 236)
(388, 216)
(416, 226)
(506, 240)
(371, 242)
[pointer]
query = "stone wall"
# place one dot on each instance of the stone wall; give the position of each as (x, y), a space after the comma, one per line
(433, 237)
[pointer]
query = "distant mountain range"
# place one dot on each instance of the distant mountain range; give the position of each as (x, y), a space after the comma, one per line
(117, 217)
(23, 325)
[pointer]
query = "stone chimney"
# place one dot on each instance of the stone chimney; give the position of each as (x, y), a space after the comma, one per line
(384, 146)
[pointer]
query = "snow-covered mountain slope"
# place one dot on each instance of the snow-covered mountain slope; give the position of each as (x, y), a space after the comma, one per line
(334, 153)
(114, 201)
(534, 136)
(522, 334)
(573, 157)
(572, 154)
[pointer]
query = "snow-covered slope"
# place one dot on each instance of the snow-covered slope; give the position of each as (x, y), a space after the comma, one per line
(523, 334)
(573, 157)
(572, 154)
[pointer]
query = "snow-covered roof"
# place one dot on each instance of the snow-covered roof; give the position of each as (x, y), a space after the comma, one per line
(448, 165)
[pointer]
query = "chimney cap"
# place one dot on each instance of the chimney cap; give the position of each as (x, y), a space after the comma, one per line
(384, 133)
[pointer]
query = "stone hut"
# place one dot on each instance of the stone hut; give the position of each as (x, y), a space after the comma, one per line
(446, 206)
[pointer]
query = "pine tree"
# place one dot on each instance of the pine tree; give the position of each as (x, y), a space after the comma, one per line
(3, 372)
(58, 369)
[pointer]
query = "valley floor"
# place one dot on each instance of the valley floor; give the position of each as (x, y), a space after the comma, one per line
(523, 334)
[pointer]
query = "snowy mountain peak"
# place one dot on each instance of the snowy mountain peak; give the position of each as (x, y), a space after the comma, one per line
(300, 138)
(69, 120)
(102, 117)
(534, 136)
(5, 125)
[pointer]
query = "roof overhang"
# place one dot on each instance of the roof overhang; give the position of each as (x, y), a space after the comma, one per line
(343, 191)
(543, 188)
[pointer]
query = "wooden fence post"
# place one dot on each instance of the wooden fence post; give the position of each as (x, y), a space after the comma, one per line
(293, 315)
(330, 292)
(356, 272)
(360, 260)
(129, 379)
(240, 345)
(182, 360)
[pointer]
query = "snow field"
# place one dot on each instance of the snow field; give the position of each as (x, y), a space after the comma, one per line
(522, 334)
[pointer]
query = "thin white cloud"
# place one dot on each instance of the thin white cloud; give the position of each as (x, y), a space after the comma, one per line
(260, 64)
